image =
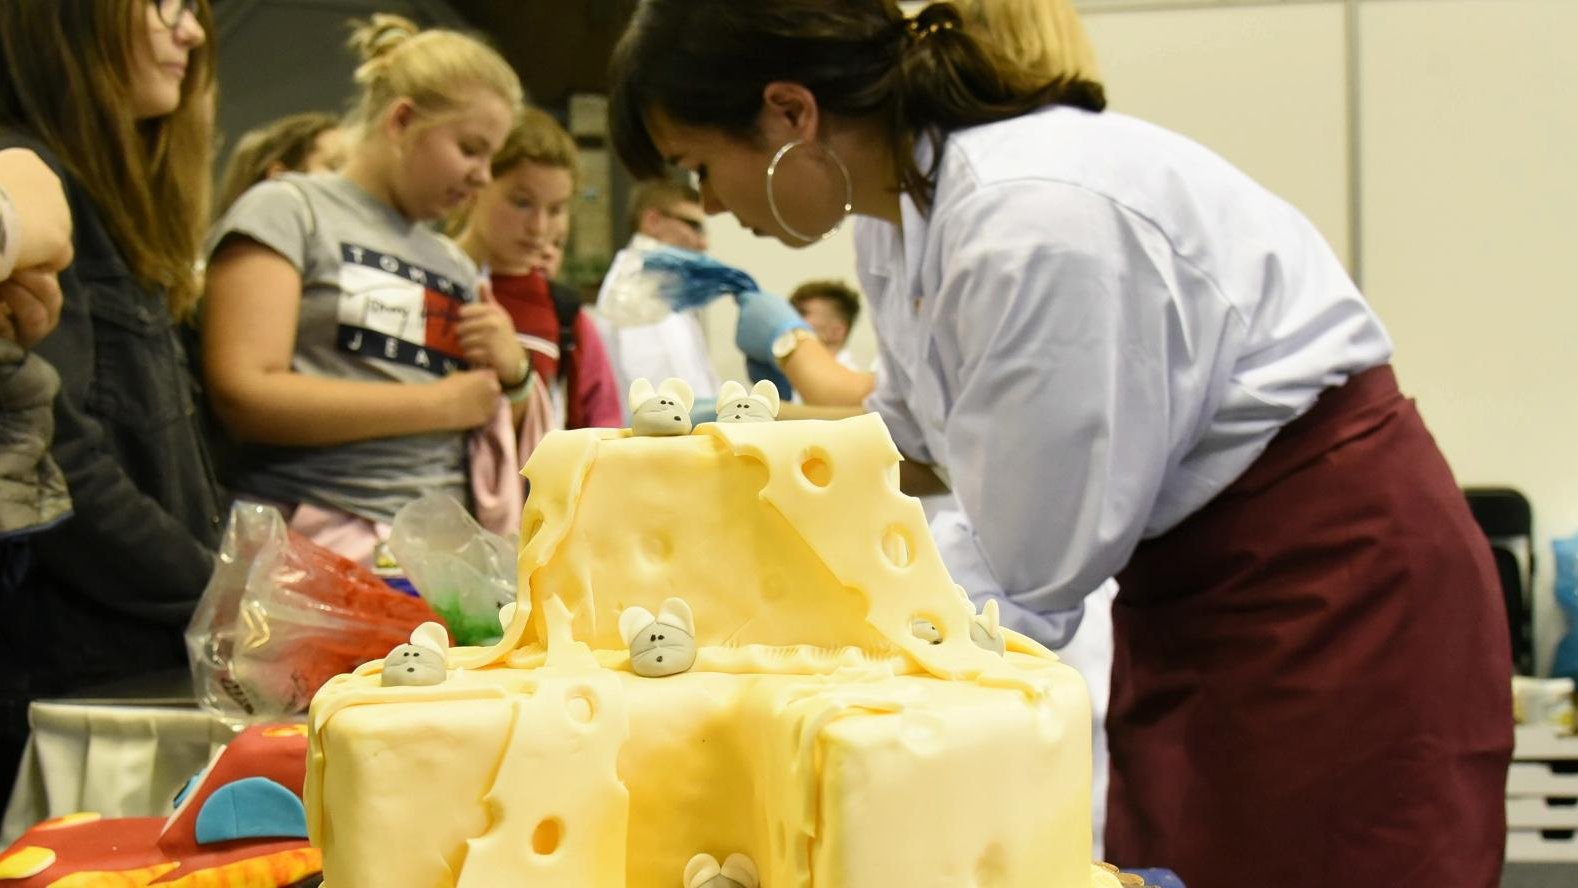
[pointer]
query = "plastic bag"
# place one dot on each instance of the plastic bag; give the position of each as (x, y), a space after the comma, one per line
(462, 570)
(649, 279)
(282, 615)
(1566, 554)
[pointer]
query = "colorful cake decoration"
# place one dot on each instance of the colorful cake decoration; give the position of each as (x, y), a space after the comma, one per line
(661, 645)
(665, 411)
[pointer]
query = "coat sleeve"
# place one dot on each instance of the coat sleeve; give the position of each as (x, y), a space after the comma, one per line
(1057, 314)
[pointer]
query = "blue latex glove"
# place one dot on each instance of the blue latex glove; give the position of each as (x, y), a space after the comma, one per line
(770, 372)
(690, 280)
(763, 318)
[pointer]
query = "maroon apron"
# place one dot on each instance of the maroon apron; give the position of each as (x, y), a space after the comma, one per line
(1312, 679)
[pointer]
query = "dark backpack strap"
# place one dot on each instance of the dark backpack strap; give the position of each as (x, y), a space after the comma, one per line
(567, 307)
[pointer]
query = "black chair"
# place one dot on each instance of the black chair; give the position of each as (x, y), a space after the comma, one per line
(1508, 522)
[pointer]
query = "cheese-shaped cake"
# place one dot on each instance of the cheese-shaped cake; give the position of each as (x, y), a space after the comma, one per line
(736, 660)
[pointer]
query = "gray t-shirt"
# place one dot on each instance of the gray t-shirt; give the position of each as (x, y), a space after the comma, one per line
(380, 298)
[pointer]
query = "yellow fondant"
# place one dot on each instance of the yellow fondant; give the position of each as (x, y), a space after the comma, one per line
(65, 821)
(815, 733)
(26, 862)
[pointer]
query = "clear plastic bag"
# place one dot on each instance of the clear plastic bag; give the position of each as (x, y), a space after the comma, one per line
(282, 615)
(465, 572)
(649, 279)
(630, 295)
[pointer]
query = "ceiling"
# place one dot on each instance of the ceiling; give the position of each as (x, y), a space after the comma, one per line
(559, 47)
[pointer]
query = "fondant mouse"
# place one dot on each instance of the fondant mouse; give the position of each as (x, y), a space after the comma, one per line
(986, 631)
(735, 404)
(664, 411)
(738, 871)
(660, 645)
(421, 662)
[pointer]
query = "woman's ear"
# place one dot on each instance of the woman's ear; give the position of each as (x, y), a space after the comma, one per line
(398, 120)
(789, 112)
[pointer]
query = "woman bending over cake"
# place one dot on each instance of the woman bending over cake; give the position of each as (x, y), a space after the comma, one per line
(108, 96)
(345, 343)
(1127, 358)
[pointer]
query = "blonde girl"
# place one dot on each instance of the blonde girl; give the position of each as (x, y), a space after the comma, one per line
(346, 346)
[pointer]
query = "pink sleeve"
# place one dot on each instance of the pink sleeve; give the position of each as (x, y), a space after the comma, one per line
(596, 389)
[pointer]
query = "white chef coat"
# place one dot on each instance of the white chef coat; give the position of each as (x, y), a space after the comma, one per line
(1097, 328)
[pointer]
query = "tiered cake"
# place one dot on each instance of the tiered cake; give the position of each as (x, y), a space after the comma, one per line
(736, 659)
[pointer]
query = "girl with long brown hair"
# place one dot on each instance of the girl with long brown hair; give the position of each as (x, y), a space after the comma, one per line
(107, 93)
(1129, 359)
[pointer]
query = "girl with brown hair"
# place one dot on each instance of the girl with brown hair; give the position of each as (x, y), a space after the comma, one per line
(106, 92)
(517, 227)
(1127, 358)
(310, 142)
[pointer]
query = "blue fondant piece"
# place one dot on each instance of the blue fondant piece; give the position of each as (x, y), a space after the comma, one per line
(1160, 878)
(251, 808)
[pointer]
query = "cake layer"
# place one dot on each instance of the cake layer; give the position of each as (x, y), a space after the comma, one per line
(775, 534)
(591, 777)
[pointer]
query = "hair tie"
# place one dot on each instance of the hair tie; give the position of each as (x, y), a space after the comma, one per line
(919, 32)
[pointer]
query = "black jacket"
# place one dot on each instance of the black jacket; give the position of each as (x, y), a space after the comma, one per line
(110, 590)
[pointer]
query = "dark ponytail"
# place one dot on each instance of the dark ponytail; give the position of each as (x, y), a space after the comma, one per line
(706, 63)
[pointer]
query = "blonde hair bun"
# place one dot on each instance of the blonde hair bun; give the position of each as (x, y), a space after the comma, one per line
(375, 38)
(433, 69)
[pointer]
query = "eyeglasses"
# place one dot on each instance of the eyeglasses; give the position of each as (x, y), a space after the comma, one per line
(171, 11)
(696, 225)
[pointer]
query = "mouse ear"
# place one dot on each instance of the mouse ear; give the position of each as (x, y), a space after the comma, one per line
(767, 392)
(675, 612)
(632, 621)
(990, 616)
(700, 868)
(741, 869)
(679, 390)
(729, 391)
(432, 636)
(640, 391)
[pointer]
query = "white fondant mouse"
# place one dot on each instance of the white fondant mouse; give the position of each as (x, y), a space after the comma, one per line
(926, 631)
(664, 411)
(419, 663)
(735, 404)
(738, 871)
(986, 631)
(660, 645)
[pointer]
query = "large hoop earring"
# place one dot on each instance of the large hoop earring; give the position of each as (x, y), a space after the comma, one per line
(772, 202)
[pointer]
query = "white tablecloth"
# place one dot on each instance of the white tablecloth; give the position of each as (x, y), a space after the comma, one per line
(116, 760)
